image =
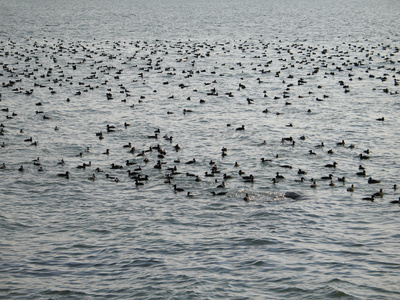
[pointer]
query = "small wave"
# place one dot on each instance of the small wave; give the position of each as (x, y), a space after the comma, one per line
(253, 241)
(83, 246)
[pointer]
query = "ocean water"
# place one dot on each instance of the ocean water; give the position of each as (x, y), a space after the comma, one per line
(311, 72)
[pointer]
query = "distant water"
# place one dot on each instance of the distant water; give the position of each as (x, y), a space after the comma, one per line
(325, 70)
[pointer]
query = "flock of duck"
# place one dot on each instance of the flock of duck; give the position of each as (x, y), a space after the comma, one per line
(52, 84)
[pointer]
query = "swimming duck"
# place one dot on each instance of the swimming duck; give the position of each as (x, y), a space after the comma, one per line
(114, 166)
(129, 163)
(301, 172)
(191, 161)
(327, 177)
(176, 189)
(372, 198)
(66, 175)
(219, 193)
(379, 194)
(226, 177)
(249, 178)
(395, 201)
(372, 181)
(312, 152)
(351, 189)
(313, 185)
(137, 182)
(221, 186)
(263, 160)
(342, 143)
(363, 173)
(331, 165)
(300, 180)
(246, 198)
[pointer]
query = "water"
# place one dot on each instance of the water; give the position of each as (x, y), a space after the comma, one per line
(82, 239)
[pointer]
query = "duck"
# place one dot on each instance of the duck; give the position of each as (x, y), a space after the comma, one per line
(66, 175)
(373, 181)
(191, 161)
(333, 165)
(379, 194)
(342, 143)
(110, 128)
(137, 182)
(221, 186)
(226, 176)
(114, 166)
(93, 177)
(21, 168)
(240, 128)
(246, 198)
(219, 193)
(176, 189)
(301, 172)
(155, 136)
(362, 173)
(263, 160)
(329, 177)
(342, 179)
(395, 201)
(314, 184)
(351, 189)
(249, 178)
(129, 163)
(372, 198)
(278, 176)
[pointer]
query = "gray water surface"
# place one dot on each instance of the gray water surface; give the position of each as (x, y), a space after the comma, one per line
(197, 71)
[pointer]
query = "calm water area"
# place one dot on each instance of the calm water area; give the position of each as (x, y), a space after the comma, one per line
(169, 149)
